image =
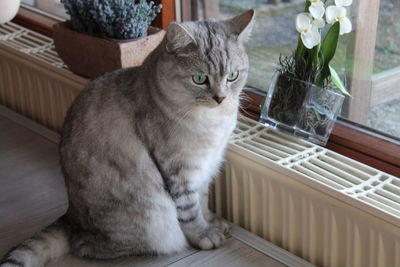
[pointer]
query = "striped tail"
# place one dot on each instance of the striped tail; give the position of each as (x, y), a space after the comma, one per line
(44, 246)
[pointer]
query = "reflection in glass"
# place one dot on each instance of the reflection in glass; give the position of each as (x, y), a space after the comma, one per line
(376, 96)
(53, 7)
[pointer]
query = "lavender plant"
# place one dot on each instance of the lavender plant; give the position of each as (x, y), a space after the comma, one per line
(118, 19)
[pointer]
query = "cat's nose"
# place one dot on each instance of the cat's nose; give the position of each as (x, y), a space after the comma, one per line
(219, 99)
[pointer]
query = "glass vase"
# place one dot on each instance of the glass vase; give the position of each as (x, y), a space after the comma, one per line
(301, 109)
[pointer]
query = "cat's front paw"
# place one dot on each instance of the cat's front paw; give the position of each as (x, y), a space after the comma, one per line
(220, 224)
(209, 239)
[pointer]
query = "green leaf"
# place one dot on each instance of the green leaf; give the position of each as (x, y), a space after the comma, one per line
(336, 80)
(307, 6)
(329, 44)
(328, 49)
(315, 55)
(301, 49)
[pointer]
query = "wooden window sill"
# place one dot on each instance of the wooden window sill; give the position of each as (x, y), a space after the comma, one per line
(35, 21)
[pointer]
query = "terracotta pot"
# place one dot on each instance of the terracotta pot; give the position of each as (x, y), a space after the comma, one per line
(92, 56)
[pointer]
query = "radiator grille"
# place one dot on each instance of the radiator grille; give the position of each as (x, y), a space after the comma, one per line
(29, 42)
(362, 183)
(33, 80)
(317, 204)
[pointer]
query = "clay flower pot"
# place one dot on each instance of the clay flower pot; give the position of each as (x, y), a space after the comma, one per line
(8, 10)
(92, 56)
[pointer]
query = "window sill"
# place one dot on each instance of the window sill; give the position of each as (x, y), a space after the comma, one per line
(348, 139)
(35, 21)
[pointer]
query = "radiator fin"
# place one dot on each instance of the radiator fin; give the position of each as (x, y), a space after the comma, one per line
(319, 205)
(33, 79)
(377, 190)
(309, 224)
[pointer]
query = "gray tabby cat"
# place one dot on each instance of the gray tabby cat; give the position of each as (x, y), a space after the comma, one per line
(139, 148)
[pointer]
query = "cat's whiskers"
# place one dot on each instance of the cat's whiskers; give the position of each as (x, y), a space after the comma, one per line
(201, 98)
(243, 108)
(245, 112)
(244, 96)
(186, 112)
(242, 102)
(241, 105)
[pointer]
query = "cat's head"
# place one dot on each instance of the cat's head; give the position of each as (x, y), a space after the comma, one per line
(206, 62)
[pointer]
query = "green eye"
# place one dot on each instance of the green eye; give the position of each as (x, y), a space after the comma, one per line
(199, 79)
(232, 76)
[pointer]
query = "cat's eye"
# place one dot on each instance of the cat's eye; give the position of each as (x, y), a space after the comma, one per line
(199, 79)
(232, 76)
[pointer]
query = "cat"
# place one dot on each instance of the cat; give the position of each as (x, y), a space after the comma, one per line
(140, 146)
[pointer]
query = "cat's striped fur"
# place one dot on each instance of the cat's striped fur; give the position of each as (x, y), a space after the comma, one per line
(140, 146)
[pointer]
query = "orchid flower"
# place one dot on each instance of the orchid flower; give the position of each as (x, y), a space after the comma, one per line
(338, 13)
(343, 2)
(317, 8)
(320, 23)
(309, 31)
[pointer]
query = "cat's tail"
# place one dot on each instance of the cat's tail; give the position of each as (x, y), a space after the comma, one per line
(46, 245)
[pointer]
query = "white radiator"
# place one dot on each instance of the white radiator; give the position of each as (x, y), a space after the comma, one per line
(33, 79)
(321, 206)
(317, 204)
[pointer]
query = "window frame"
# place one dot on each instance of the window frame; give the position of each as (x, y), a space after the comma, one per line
(35, 21)
(349, 139)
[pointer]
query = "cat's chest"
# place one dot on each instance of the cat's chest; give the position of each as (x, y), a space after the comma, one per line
(205, 149)
(208, 137)
(196, 149)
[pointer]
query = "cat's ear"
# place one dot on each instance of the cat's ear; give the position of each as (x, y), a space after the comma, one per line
(179, 38)
(241, 25)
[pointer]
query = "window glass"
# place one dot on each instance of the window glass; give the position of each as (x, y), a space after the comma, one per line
(53, 7)
(384, 111)
(368, 59)
(371, 71)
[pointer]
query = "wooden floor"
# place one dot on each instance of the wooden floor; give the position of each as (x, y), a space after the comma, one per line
(32, 195)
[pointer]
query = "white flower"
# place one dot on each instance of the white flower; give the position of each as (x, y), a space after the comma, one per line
(320, 23)
(309, 32)
(343, 2)
(317, 9)
(336, 13)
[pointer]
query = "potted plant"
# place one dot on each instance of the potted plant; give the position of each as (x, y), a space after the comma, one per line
(306, 93)
(106, 35)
